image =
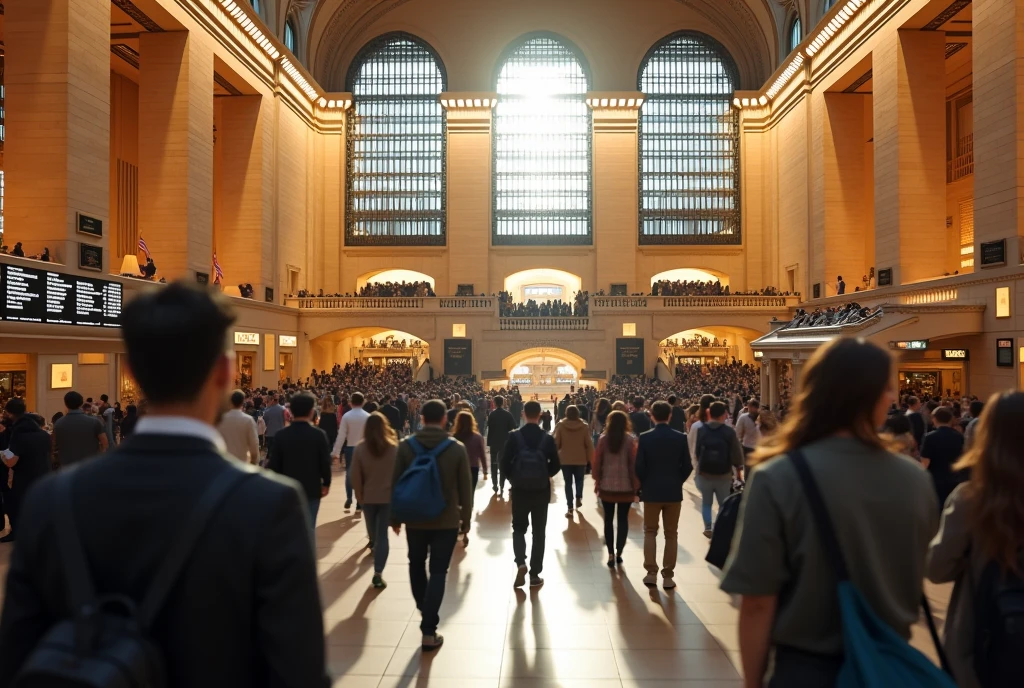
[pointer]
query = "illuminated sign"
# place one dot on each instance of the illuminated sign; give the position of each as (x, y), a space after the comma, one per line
(956, 354)
(912, 345)
(60, 376)
(287, 340)
(252, 338)
(758, 354)
(1004, 353)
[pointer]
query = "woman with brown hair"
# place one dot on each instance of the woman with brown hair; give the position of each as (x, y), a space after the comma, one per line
(373, 464)
(328, 419)
(982, 535)
(882, 505)
(615, 481)
(465, 431)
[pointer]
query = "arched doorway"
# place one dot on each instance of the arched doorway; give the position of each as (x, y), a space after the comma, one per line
(543, 372)
(711, 345)
(370, 346)
(394, 276)
(543, 284)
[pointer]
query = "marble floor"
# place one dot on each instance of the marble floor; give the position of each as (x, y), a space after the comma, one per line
(587, 626)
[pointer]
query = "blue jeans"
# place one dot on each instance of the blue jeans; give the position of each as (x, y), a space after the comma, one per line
(429, 592)
(712, 487)
(377, 517)
(569, 474)
(348, 472)
(314, 508)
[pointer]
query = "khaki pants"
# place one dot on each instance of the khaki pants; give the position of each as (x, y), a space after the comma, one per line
(669, 513)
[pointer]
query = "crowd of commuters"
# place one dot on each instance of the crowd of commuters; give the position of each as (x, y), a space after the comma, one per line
(708, 288)
(555, 308)
(379, 289)
(697, 341)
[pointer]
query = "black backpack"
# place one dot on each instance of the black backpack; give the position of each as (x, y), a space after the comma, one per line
(529, 466)
(998, 628)
(713, 451)
(725, 528)
(105, 644)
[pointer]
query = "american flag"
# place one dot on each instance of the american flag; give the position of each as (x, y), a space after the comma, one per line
(143, 247)
(218, 273)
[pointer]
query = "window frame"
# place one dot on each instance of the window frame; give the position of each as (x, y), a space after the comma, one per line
(373, 45)
(548, 239)
(290, 28)
(729, 64)
(795, 27)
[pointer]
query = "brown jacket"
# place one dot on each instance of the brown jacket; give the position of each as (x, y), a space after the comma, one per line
(371, 475)
(456, 483)
(575, 446)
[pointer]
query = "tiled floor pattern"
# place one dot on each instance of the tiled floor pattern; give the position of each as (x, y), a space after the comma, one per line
(588, 626)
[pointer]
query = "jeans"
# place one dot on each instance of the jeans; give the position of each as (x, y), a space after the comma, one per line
(623, 526)
(348, 472)
(495, 469)
(377, 517)
(314, 508)
(712, 486)
(529, 508)
(669, 513)
(569, 474)
(429, 592)
(475, 471)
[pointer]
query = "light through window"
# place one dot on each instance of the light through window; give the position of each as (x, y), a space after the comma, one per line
(794, 34)
(689, 144)
(396, 146)
(289, 36)
(542, 147)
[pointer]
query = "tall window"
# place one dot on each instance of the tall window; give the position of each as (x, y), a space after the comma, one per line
(689, 144)
(542, 146)
(396, 145)
(289, 35)
(829, 4)
(255, 5)
(794, 35)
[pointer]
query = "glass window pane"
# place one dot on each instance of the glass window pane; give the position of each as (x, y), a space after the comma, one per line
(689, 145)
(542, 147)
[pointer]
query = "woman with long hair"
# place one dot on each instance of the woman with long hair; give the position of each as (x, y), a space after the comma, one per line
(466, 431)
(767, 423)
(373, 464)
(328, 419)
(575, 447)
(982, 533)
(615, 481)
(882, 504)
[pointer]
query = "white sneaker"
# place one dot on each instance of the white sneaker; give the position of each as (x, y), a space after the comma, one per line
(651, 580)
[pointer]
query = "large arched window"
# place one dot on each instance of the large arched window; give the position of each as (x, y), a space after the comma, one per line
(289, 35)
(689, 143)
(794, 35)
(396, 145)
(542, 146)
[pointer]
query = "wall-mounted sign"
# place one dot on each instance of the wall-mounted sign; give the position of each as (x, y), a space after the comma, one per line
(1002, 302)
(202, 278)
(268, 294)
(287, 340)
(90, 257)
(912, 345)
(629, 356)
(993, 253)
(521, 380)
(758, 354)
(1004, 353)
(458, 357)
(249, 338)
(60, 376)
(589, 374)
(956, 355)
(885, 277)
(89, 225)
(53, 298)
(816, 290)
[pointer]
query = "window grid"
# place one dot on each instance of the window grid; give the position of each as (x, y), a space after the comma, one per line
(542, 148)
(396, 146)
(689, 145)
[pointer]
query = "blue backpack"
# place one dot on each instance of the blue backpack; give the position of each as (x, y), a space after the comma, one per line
(418, 495)
(874, 654)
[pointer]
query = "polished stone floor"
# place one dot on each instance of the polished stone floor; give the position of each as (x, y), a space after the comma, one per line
(587, 626)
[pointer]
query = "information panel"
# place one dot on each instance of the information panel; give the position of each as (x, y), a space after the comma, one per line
(458, 357)
(629, 356)
(53, 298)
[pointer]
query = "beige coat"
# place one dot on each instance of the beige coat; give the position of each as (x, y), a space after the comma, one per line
(372, 475)
(575, 446)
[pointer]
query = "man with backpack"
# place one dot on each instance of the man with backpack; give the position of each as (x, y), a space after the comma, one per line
(718, 453)
(530, 460)
(433, 497)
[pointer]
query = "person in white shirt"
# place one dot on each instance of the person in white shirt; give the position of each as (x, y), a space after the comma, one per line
(746, 427)
(239, 431)
(350, 430)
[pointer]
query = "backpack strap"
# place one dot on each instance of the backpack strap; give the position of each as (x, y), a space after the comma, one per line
(417, 448)
(181, 548)
(81, 590)
(439, 449)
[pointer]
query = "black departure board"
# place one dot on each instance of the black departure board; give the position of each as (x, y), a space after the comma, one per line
(54, 298)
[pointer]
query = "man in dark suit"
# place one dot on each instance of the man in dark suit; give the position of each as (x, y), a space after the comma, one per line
(245, 611)
(663, 465)
(27, 456)
(499, 424)
(392, 413)
(639, 418)
(678, 419)
(301, 453)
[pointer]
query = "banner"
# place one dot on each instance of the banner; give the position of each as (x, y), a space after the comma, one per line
(458, 357)
(629, 356)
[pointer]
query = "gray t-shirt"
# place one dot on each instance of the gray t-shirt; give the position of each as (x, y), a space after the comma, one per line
(885, 514)
(77, 436)
(273, 417)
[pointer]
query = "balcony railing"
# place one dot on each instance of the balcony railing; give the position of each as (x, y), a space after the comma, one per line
(545, 323)
(660, 303)
(356, 303)
(962, 164)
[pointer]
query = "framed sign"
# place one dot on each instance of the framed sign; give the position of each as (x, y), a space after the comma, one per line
(203, 277)
(90, 257)
(89, 225)
(287, 340)
(956, 355)
(458, 357)
(1004, 353)
(629, 356)
(1002, 302)
(816, 290)
(912, 345)
(61, 376)
(885, 277)
(993, 253)
(268, 294)
(247, 338)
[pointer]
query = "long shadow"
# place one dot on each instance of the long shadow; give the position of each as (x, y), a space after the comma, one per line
(346, 574)
(354, 626)
(331, 532)
(493, 524)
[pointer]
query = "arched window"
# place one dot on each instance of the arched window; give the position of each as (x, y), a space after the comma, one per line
(255, 5)
(794, 35)
(542, 146)
(289, 35)
(689, 143)
(396, 145)
(829, 4)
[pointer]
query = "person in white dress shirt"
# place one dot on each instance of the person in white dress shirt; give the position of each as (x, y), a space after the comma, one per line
(351, 431)
(239, 431)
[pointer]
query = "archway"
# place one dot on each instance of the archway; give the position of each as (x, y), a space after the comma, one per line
(691, 275)
(711, 345)
(543, 284)
(543, 371)
(368, 345)
(393, 275)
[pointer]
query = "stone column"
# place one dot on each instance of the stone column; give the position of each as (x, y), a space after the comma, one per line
(845, 199)
(57, 148)
(469, 189)
(910, 167)
(176, 152)
(615, 192)
(773, 384)
(798, 369)
(765, 384)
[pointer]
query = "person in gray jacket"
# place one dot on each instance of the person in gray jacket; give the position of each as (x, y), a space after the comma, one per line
(373, 468)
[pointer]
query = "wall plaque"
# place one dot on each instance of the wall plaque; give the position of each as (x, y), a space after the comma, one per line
(1004, 353)
(629, 356)
(89, 225)
(90, 257)
(885, 277)
(458, 357)
(993, 253)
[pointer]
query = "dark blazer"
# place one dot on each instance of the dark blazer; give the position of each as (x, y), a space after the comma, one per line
(393, 415)
(245, 611)
(533, 436)
(301, 452)
(499, 424)
(641, 422)
(329, 424)
(677, 421)
(662, 464)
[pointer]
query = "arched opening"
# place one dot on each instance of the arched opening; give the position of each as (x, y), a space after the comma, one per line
(688, 275)
(712, 345)
(543, 284)
(376, 346)
(543, 372)
(395, 276)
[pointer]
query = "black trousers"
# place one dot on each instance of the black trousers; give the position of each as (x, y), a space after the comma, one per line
(529, 509)
(798, 669)
(496, 480)
(610, 536)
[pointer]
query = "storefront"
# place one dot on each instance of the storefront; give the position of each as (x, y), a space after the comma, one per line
(926, 369)
(286, 356)
(264, 359)
(247, 349)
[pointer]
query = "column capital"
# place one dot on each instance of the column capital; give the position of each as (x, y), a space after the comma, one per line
(615, 111)
(469, 112)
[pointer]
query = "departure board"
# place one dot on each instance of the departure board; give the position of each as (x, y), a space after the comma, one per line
(53, 298)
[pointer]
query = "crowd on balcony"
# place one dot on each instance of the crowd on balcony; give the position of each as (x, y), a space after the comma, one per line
(378, 289)
(697, 341)
(579, 308)
(831, 317)
(708, 288)
(391, 343)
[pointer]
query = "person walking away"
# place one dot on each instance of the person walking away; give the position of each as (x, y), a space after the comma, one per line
(300, 452)
(882, 504)
(719, 454)
(373, 466)
(433, 538)
(979, 548)
(27, 459)
(662, 466)
(575, 447)
(499, 424)
(77, 436)
(328, 419)
(392, 413)
(350, 431)
(530, 460)
(239, 431)
(702, 417)
(974, 411)
(941, 449)
(918, 426)
(516, 409)
(678, 420)
(615, 481)
(274, 417)
(244, 611)
(131, 417)
(639, 419)
(465, 431)
(747, 430)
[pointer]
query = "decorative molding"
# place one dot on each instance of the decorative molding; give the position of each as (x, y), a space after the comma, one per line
(137, 15)
(953, 48)
(225, 84)
(945, 15)
(860, 81)
(126, 53)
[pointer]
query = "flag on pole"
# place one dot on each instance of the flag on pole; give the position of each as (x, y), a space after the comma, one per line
(218, 273)
(143, 247)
